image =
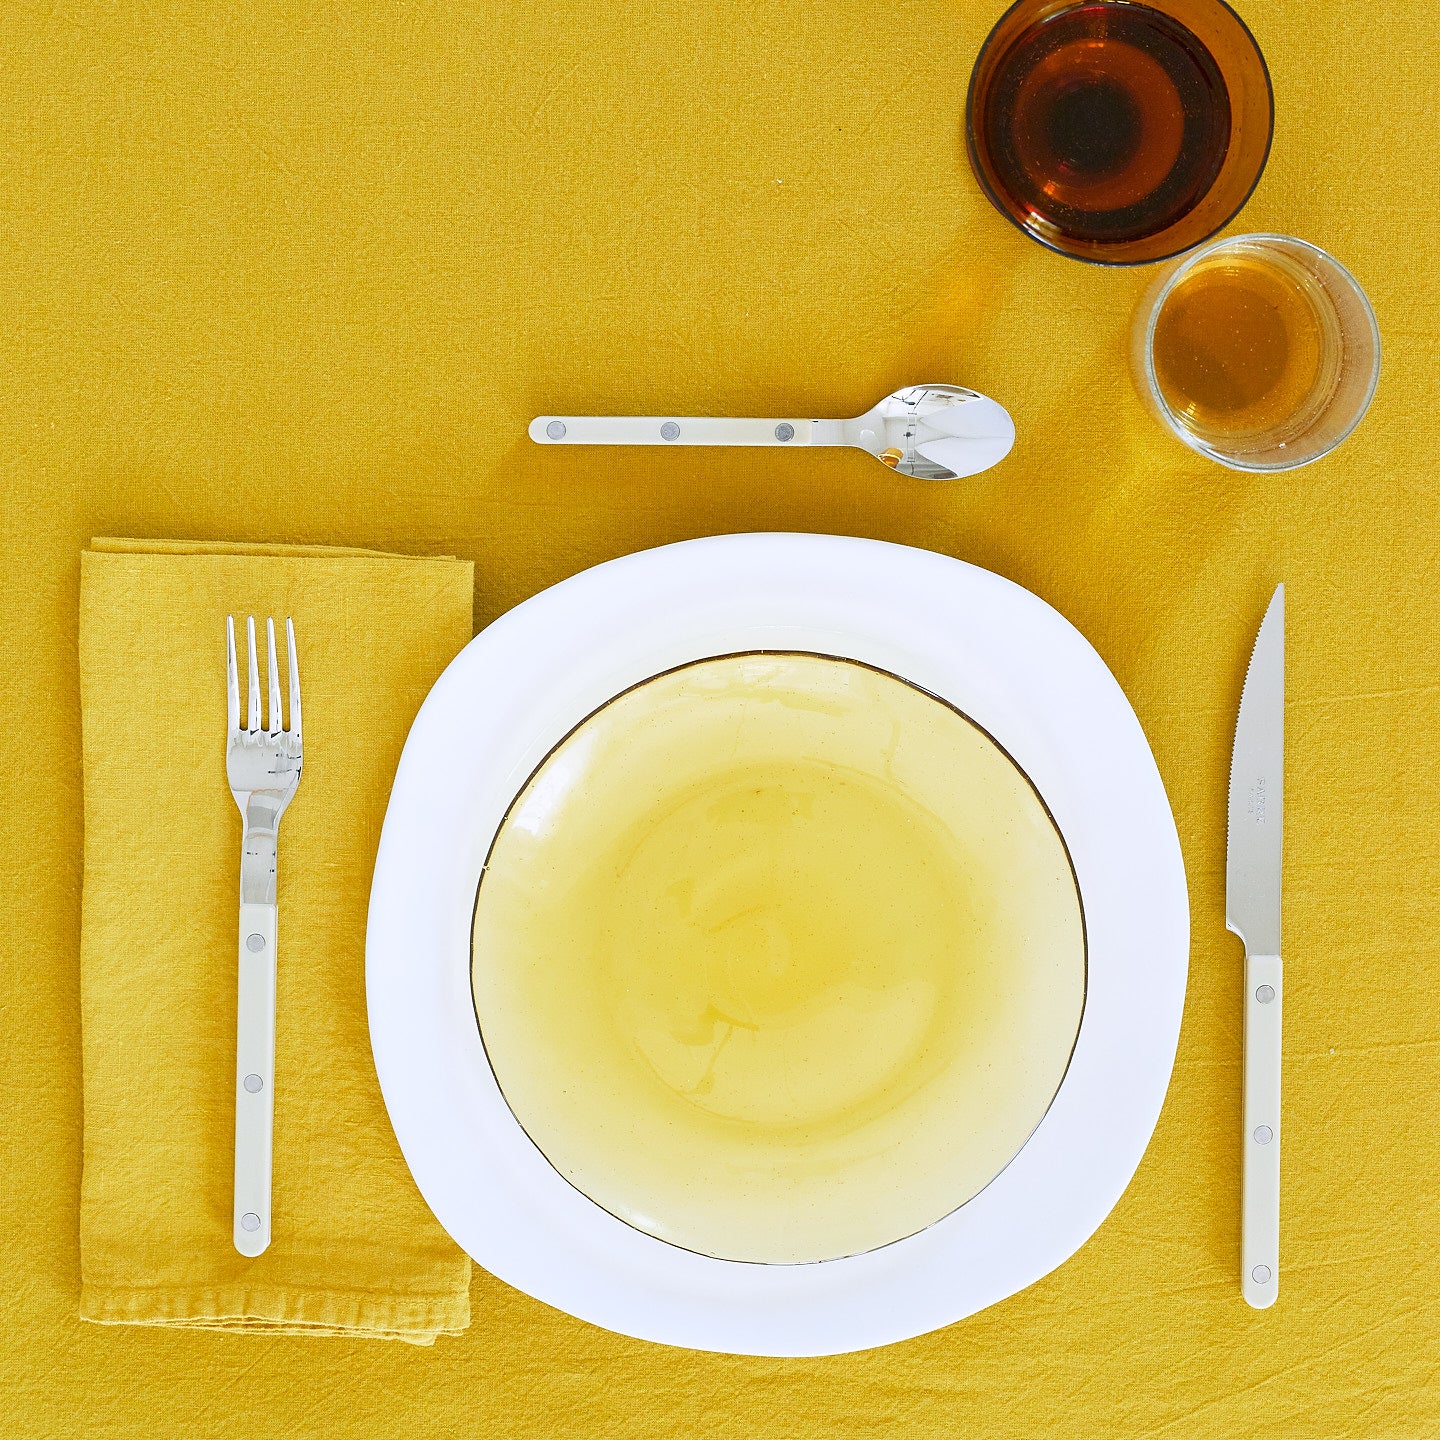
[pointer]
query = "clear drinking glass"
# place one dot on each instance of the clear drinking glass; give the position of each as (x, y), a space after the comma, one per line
(1119, 132)
(1260, 351)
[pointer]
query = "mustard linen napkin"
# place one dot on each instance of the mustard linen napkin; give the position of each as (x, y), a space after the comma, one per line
(355, 1250)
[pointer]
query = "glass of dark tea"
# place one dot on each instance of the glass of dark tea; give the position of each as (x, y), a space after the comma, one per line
(1259, 351)
(1119, 132)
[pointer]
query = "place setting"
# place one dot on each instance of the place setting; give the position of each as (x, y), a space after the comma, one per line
(767, 943)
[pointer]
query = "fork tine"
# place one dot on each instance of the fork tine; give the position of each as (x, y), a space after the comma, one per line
(273, 670)
(253, 716)
(232, 678)
(294, 680)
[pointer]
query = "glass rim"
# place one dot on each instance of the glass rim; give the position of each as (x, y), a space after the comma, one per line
(1152, 320)
(1118, 263)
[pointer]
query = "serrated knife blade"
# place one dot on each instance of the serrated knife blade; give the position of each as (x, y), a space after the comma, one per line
(1257, 792)
(1252, 911)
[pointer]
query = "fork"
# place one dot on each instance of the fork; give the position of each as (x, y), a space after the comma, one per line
(263, 767)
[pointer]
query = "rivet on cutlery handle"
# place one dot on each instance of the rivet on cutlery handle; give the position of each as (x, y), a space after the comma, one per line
(255, 1078)
(1260, 1201)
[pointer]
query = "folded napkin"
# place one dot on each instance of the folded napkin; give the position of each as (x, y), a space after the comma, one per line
(355, 1250)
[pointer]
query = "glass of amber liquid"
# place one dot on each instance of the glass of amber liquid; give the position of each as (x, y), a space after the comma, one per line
(1119, 132)
(1260, 351)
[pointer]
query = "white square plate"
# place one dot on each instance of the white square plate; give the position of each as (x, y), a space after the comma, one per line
(995, 652)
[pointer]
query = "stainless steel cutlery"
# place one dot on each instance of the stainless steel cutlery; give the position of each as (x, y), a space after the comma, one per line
(263, 766)
(1252, 911)
(932, 432)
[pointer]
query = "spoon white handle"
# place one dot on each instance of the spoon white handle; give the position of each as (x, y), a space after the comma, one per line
(670, 430)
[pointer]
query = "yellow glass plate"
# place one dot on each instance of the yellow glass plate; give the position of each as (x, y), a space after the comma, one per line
(778, 958)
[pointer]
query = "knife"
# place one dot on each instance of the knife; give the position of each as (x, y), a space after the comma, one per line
(1252, 911)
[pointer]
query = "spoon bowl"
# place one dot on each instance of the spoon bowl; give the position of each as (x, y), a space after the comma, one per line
(934, 432)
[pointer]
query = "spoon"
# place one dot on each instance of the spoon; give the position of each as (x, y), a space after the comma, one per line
(933, 432)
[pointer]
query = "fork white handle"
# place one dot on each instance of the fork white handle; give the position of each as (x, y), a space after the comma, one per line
(1260, 1182)
(255, 1078)
(680, 430)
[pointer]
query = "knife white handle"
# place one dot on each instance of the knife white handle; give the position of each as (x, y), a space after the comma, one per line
(668, 430)
(1260, 1200)
(255, 1078)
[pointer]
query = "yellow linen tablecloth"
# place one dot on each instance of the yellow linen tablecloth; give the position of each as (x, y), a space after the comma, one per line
(355, 1250)
(299, 273)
